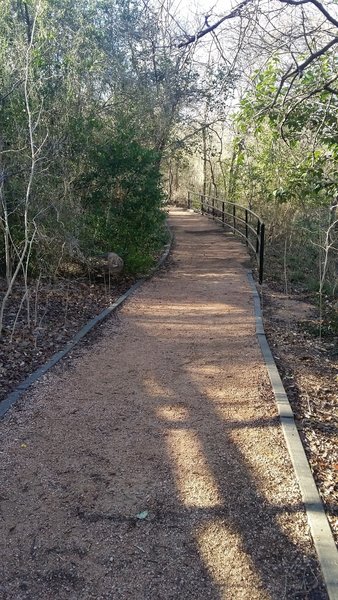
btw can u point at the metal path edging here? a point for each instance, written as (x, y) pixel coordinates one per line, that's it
(12, 397)
(319, 525)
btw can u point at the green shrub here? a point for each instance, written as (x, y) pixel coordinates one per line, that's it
(122, 201)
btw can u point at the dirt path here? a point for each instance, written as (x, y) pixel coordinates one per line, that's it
(168, 416)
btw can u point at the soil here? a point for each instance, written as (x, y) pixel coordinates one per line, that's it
(58, 310)
(309, 369)
(151, 464)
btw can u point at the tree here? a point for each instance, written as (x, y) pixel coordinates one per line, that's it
(279, 148)
(90, 95)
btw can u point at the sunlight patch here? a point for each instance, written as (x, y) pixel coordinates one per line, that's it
(229, 566)
(174, 413)
(195, 482)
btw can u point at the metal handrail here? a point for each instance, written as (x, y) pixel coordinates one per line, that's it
(228, 202)
(216, 207)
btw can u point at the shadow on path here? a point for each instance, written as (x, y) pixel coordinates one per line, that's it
(155, 468)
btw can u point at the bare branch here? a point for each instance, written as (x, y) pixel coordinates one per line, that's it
(318, 5)
(234, 13)
(301, 67)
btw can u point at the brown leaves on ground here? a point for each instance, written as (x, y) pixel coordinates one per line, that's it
(309, 368)
(57, 312)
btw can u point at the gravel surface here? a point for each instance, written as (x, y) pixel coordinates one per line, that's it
(152, 466)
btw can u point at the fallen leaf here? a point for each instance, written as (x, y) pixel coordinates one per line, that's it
(142, 515)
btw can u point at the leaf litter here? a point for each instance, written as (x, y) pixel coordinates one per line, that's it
(308, 366)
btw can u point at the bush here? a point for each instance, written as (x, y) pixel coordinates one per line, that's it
(122, 201)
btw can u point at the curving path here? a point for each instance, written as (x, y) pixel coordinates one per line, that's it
(153, 465)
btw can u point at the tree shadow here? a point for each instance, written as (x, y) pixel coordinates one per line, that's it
(152, 486)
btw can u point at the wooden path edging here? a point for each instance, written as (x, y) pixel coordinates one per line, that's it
(319, 526)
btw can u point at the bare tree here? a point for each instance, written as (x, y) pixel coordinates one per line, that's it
(22, 254)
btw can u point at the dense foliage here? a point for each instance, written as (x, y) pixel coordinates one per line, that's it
(285, 164)
(99, 100)
(89, 94)
(274, 146)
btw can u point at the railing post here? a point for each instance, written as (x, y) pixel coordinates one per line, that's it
(234, 216)
(202, 204)
(261, 253)
(189, 201)
(223, 212)
(246, 226)
(258, 235)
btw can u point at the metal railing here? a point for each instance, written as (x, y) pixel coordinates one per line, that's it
(240, 219)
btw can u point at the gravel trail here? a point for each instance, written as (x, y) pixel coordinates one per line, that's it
(152, 466)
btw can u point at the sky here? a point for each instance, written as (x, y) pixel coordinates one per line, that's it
(188, 11)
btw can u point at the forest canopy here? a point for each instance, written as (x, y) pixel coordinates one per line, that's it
(268, 131)
(108, 109)
(89, 93)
